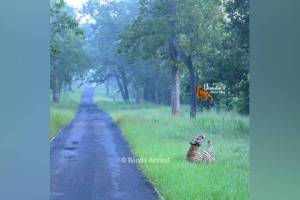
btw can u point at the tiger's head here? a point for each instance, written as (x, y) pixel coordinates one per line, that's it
(198, 140)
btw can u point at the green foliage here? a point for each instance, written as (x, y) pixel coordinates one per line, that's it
(213, 34)
(153, 133)
(147, 36)
(238, 13)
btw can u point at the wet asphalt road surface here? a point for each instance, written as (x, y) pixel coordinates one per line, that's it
(86, 160)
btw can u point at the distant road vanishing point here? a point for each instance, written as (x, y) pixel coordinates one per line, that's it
(86, 160)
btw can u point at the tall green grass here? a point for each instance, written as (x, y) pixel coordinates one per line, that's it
(64, 112)
(153, 133)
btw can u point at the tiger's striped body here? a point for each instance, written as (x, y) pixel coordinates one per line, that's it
(208, 154)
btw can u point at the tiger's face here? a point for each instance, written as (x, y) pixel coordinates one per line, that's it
(198, 140)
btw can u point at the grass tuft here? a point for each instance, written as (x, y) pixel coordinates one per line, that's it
(64, 112)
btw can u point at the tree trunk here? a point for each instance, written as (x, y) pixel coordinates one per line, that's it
(126, 93)
(124, 84)
(121, 89)
(178, 53)
(70, 86)
(145, 91)
(138, 99)
(56, 89)
(175, 91)
(193, 104)
(55, 82)
(156, 86)
(107, 84)
(138, 95)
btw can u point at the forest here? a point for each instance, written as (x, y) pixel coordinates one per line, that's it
(154, 51)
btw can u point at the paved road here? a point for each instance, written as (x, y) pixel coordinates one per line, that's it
(85, 160)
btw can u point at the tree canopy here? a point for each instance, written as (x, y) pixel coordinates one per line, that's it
(157, 50)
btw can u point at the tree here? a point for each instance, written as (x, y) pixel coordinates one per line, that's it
(67, 54)
(177, 32)
(149, 37)
(199, 25)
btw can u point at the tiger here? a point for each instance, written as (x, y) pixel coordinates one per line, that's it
(194, 155)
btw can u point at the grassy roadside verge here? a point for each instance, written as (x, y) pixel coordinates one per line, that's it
(153, 133)
(63, 113)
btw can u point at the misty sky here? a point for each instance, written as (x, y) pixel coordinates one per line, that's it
(78, 3)
(75, 3)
